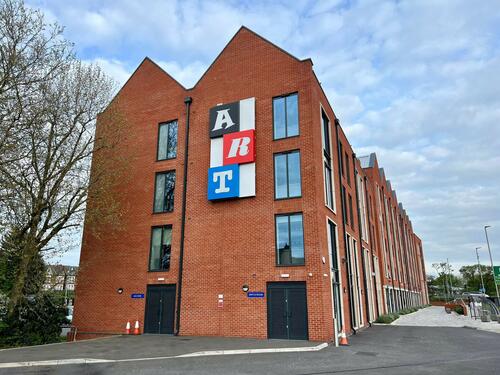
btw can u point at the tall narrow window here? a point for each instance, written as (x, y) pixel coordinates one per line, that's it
(351, 212)
(341, 161)
(334, 266)
(167, 141)
(344, 205)
(161, 245)
(289, 240)
(286, 116)
(287, 179)
(164, 192)
(326, 133)
(347, 169)
(328, 187)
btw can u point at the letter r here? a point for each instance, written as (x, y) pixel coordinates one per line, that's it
(239, 147)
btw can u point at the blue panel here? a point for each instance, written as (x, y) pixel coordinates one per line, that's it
(224, 182)
(137, 295)
(255, 294)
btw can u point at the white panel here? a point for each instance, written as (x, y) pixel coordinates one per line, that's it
(247, 114)
(247, 180)
(216, 152)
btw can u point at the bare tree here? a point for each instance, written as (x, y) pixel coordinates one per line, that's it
(49, 102)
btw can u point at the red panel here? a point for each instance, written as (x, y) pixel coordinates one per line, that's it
(239, 148)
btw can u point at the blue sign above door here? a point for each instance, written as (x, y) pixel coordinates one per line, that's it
(137, 295)
(255, 294)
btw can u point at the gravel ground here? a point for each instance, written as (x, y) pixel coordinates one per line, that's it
(436, 316)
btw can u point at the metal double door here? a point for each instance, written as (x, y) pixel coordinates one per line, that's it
(160, 309)
(287, 311)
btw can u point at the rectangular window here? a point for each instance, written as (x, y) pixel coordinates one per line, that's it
(287, 175)
(328, 187)
(167, 141)
(341, 161)
(289, 240)
(164, 192)
(161, 244)
(286, 116)
(347, 169)
(351, 212)
(344, 205)
(326, 133)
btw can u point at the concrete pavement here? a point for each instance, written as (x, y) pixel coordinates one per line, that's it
(436, 316)
(387, 350)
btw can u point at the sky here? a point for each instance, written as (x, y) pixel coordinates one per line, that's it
(417, 82)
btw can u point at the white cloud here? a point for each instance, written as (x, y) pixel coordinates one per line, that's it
(187, 75)
(417, 82)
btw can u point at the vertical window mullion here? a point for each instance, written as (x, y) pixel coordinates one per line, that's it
(287, 177)
(290, 238)
(286, 117)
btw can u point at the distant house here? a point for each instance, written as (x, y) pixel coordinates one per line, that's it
(60, 277)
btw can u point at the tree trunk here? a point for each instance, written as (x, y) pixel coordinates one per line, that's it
(28, 251)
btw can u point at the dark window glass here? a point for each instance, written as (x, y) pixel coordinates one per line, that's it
(164, 192)
(326, 133)
(286, 116)
(347, 169)
(167, 141)
(161, 245)
(351, 212)
(328, 186)
(341, 161)
(344, 205)
(287, 182)
(289, 240)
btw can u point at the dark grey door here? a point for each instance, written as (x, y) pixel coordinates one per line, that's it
(160, 309)
(287, 311)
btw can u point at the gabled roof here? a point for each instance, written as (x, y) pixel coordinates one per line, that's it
(233, 39)
(241, 30)
(368, 161)
(382, 174)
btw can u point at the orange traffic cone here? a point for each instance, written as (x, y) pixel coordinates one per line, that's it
(127, 328)
(136, 328)
(343, 339)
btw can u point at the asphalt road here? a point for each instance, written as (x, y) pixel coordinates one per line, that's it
(378, 350)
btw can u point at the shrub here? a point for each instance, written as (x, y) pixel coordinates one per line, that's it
(387, 318)
(37, 320)
(459, 310)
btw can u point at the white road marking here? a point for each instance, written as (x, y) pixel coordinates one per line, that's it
(77, 361)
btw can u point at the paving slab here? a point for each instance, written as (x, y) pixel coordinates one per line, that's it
(436, 316)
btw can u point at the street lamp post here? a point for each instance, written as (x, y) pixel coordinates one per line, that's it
(480, 273)
(491, 260)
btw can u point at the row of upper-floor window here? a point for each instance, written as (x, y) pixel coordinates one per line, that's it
(289, 243)
(287, 182)
(285, 125)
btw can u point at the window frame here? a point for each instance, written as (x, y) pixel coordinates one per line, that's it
(276, 254)
(154, 193)
(326, 142)
(287, 174)
(161, 241)
(332, 195)
(284, 96)
(158, 140)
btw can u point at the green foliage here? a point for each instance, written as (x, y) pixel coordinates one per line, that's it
(38, 316)
(10, 259)
(387, 318)
(459, 310)
(472, 279)
(37, 320)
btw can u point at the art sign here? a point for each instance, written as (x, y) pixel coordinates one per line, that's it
(232, 150)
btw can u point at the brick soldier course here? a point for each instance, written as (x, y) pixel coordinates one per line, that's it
(231, 244)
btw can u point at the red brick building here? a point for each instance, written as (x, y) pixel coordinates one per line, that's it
(276, 230)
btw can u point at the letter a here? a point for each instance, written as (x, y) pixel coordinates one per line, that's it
(223, 117)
